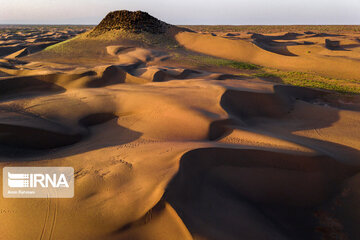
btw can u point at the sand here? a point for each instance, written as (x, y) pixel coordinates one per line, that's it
(294, 55)
(167, 151)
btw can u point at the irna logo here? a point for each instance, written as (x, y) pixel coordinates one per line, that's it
(38, 182)
(19, 180)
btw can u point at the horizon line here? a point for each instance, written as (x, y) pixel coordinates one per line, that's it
(90, 24)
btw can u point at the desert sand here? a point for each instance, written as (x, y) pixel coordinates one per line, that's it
(163, 149)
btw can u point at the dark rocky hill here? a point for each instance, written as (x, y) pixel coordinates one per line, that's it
(135, 22)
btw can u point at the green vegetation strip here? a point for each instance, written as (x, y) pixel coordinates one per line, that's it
(311, 80)
(204, 60)
(301, 79)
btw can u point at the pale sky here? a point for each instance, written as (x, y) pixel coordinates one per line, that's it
(232, 12)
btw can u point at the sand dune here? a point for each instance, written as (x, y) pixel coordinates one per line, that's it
(164, 150)
(144, 144)
(294, 61)
(24, 42)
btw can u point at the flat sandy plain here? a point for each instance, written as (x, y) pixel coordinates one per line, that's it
(204, 134)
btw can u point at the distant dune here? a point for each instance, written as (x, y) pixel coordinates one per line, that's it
(175, 134)
(301, 57)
